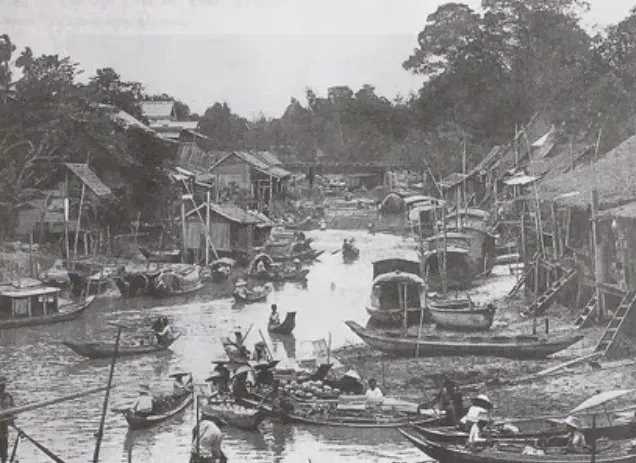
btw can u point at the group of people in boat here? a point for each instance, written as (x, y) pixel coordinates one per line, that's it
(477, 420)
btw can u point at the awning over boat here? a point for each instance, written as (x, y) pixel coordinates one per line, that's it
(420, 199)
(398, 277)
(449, 250)
(391, 265)
(600, 399)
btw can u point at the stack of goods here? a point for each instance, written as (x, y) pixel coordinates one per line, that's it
(311, 390)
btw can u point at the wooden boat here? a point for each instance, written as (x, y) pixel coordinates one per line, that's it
(171, 256)
(177, 282)
(451, 453)
(481, 245)
(469, 318)
(140, 422)
(286, 327)
(234, 415)
(272, 271)
(521, 347)
(37, 305)
(614, 426)
(96, 350)
(397, 292)
(365, 420)
(350, 253)
(221, 269)
(252, 296)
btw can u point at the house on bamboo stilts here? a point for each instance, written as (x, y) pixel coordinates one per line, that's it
(256, 180)
(233, 232)
(591, 213)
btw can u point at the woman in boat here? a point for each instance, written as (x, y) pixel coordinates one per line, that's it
(260, 352)
(450, 400)
(350, 383)
(223, 383)
(165, 335)
(206, 443)
(477, 437)
(179, 386)
(239, 383)
(144, 404)
(274, 318)
(374, 395)
(576, 439)
(480, 404)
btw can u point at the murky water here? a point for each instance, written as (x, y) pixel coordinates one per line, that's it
(40, 368)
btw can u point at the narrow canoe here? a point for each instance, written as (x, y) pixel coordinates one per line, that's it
(286, 327)
(96, 350)
(522, 347)
(460, 454)
(371, 422)
(468, 319)
(308, 255)
(67, 312)
(351, 254)
(141, 422)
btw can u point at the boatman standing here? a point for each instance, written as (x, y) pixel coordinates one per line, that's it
(6, 402)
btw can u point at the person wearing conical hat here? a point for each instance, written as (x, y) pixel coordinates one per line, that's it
(576, 438)
(480, 404)
(239, 382)
(223, 383)
(144, 404)
(180, 385)
(207, 440)
(297, 264)
(351, 383)
(6, 402)
(477, 436)
(240, 288)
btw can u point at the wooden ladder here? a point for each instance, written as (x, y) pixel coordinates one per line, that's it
(608, 343)
(541, 304)
(585, 317)
(515, 289)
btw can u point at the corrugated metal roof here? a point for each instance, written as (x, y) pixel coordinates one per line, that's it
(90, 179)
(157, 109)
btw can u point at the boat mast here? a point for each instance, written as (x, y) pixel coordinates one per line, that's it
(464, 192)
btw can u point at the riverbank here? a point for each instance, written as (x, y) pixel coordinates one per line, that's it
(420, 379)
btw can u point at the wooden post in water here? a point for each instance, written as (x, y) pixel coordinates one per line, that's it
(599, 255)
(31, 253)
(464, 191)
(207, 226)
(536, 294)
(67, 209)
(79, 222)
(100, 432)
(184, 249)
(443, 273)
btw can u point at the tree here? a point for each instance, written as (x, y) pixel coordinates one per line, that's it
(226, 130)
(107, 87)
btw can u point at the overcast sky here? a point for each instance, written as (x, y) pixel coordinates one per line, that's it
(253, 54)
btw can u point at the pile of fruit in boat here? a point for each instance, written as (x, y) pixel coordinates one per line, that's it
(310, 390)
(226, 408)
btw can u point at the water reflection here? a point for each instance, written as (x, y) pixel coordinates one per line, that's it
(288, 344)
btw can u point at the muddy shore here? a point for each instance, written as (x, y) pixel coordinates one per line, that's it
(419, 379)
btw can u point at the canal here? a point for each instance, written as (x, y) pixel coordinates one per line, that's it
(40, 368)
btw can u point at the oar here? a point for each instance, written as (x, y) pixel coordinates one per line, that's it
(248, 332)
(10, 412)
(336, 252)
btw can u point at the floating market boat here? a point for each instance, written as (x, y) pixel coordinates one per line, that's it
(286, 327)
(176, 280)
(96, 350)
(520, 347)
(271, 271)
(37, 305)
(221, 269)
(366, 420)
(453, 453)
(397, 289)
(286, 251)
(471, 318)
(234, 415)
(170, 256)
(174, 405)
(253, 295)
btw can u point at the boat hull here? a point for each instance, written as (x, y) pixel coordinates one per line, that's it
(520, 347)
(72, 312)
(137, 422)
(247, 421)
(479, 319)
(449, 453)
(99, 350)
(286, 327)
(394, 317)
(251, 297)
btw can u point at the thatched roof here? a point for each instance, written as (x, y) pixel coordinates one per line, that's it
(612, 176)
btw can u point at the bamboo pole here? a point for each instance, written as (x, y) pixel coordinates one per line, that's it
(184, 249)
(13, 411)
(266, 345)
(329, 349)
(536, 295)
(100, 432)
(464, 186)
(207, 227)
(67, 212)
(208, 238)
(31, 253)
(444, 280)
(79, 222)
